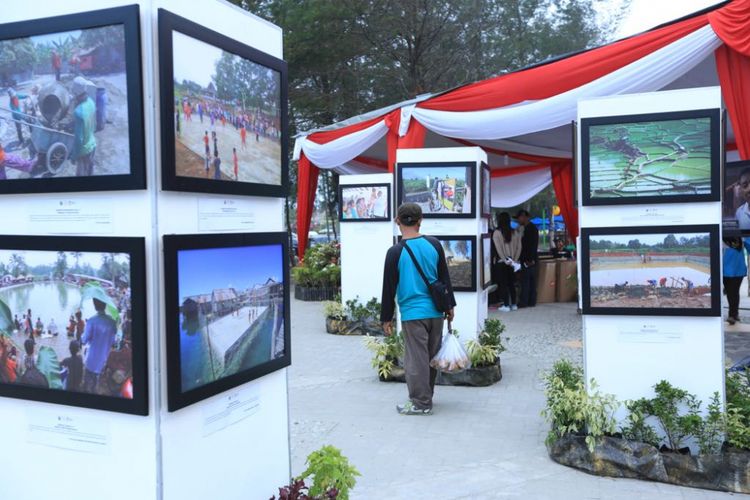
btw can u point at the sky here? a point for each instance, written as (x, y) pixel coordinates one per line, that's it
(648, 239)
(203, 270)
(193, 60)
(48, 258)
(646, 14)
(422, 173)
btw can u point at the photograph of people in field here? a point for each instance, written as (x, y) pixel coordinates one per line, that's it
(227, 115)
(661, 270)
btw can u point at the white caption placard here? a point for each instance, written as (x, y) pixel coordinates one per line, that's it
(70, 216)
(650, 215)
(229, 409)
(648, 333)
(61, 430)
(216, 214)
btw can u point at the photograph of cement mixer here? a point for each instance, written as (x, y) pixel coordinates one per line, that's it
(659, 271)
(70, 104)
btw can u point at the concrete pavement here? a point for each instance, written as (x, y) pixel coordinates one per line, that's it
(480, 443)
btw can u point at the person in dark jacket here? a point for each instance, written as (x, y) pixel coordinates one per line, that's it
(734, 270)
(529, 259)
(421, 322)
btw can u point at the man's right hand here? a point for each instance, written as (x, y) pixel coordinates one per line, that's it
(449, 314)
(388, 329)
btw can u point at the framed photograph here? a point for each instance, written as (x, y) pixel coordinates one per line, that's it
(443, 190)
(655, 158)
(486, 191)
(736, 199)
(364, 202)
(223, 113)
(227, 321)
(71, 108)
(486, 260)
(651, 271)
(461, 255)
(73, 321)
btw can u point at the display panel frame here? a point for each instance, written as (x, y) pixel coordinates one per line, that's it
(169, 23)
(343, 187)
(485, 207)
(472, 177)
(173, 244)
(129, 18)
(730, 224)
(714, 114)
(135, 247)
(714, 266)
(486, 276)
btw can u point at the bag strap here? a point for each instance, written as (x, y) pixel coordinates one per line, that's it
(416, 264)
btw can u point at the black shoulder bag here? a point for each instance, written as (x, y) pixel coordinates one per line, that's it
(439, 292)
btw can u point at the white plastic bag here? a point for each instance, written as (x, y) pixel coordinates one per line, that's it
(452, 357)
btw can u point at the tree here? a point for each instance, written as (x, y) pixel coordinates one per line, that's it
(77, 256)
(462, 248)
(17, 265)
(61, 265)
(670, 241)
(634, 244)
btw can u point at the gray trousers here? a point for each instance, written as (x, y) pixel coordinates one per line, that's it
(422, 338)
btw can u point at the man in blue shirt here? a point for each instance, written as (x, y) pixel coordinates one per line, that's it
(422, 323)
(99, 336)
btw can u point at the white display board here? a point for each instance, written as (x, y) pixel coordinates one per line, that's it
(471, 307)
(203, 451)
(628, 355)
(363, 247)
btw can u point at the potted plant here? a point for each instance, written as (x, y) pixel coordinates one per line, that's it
(484, 354)
(318, 276)
(388, 353)
(353, 319)
(329, 473)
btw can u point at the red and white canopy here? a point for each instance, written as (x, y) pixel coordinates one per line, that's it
(523, 119)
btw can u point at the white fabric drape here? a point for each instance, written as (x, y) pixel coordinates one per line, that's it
(648, 74)
(341, 150)
(515, 189)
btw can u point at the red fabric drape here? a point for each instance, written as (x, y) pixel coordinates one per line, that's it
(560, 76)
(562, 181)
(307, 185)
(732, 24)
(393, 122)
(414, 137)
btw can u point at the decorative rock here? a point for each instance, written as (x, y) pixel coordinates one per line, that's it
(345, 327)
(614, 457)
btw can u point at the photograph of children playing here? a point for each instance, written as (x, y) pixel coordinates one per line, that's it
(65, 321)
(227, 115)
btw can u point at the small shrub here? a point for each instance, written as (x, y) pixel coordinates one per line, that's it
(334, 310)
(636, 428)
(738, 409)
(330, 470)
(665, 407)
(320, 268)
(571, 409)
(386, 352)
(486, 349)
(710, 436)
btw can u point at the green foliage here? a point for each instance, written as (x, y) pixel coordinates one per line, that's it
(386, 352)
(571, 409)
(18, 54)
(334, 310)
(93, 290)
(320, 267)
(738, 409)
(6, 319)
(330, 469)
(637, 429)
(356, 311)
(49, 365)
(486, 349)
(666, 407)
(713, 427)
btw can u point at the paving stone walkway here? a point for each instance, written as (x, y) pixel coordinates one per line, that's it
(480, 443)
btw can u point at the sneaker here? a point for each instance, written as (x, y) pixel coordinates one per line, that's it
(514, 307)
(737, 319)
(408, 408)
(730, 320)
(504, 309)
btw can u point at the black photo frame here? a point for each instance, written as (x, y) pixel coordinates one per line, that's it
(486, 274)
(472, 240)
(175, 244)
(647, 298)
(427, 198)
(485, 206)
(386, 194)
(735, 197)
(633, 120)
(171, 181)
(55, 142)
(135, 248)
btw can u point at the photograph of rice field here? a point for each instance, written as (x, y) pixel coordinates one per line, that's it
(660, 270)
(658, 158)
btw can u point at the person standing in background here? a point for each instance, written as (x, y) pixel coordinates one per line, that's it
(507, 244)
(56, 64)
(84, 125)
(529, 259)
(734, 271)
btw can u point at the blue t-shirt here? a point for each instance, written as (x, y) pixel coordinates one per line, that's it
(414, 300)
